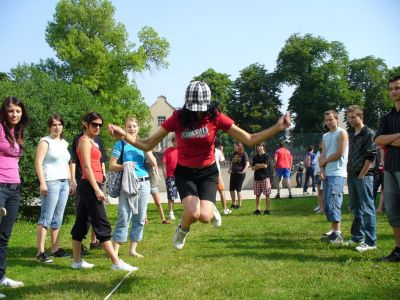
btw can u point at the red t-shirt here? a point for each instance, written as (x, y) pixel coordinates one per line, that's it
(196, 147)
(283, 158)
(170, 159)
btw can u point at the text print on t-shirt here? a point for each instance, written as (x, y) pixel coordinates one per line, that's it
(196, 133)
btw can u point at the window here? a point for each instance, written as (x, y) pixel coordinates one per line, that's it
(160, 120)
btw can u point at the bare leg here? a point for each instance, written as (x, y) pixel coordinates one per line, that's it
(381, 203)
(93, 238)
(116, 246)
(335, 226)
(233, 196)
(54, 239)
(108, 248)
(132, 249)
(258, 206)
(41, 238)
(267, 202)
(157, 202)
(287, 181)
(76, 251)
(170, 205)
(223, 199)
(191, 211)
(239, 194)
(320, 198)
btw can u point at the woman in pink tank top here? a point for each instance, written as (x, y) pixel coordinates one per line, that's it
(13, 121)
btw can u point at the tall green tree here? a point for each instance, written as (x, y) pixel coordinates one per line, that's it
(317, 68)
(94, 51)
(368, 76)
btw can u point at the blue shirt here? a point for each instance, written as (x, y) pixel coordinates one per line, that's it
(133, 154)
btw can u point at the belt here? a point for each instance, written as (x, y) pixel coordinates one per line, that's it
(140, 179)
(11, 186)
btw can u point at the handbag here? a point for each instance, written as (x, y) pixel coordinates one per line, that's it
(114, 178)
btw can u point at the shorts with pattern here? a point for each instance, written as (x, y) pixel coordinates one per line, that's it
(262, 187)
(172, 191)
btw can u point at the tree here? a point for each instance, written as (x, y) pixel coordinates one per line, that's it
(368, 76)
(317, 68)
(94, 51)
(254, 104)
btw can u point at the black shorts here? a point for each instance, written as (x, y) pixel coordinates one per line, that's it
(197, 182)
(236, 182)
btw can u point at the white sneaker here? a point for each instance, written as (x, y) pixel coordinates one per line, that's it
(3, 212)
(123, 266)
(316, 208)
(227, 211)
(8, 282)
(328, 233)
(179, 238)
(81, 265)
(216, 221)
(364, 247)
(171, 215)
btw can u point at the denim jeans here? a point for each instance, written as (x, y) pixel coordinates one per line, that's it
(53, 205)
(309, 176)
(333, 197)
(363, 227)
(392, 195)
(299, 179)
(9, 199)
(125, 215)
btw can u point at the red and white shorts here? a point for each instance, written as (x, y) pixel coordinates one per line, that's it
(262, 187)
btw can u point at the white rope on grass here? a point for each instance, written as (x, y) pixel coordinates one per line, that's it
(117, 286)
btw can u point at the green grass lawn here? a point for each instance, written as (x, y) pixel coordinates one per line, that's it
(250, 257)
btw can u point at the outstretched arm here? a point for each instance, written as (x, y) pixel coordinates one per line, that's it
(144, 144)
(255, 138)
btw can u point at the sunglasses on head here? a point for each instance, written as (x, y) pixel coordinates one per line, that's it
(94, 124)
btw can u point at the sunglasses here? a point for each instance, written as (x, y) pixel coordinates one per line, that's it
(94, 124)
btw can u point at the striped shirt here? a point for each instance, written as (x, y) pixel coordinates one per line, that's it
(390, 124)
(361, 148)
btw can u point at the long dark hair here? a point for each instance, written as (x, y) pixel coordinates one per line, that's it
(19, 129)
(188, 119)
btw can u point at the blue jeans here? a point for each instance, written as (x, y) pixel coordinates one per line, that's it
(392, 195)
(9, 199)
(333, 197)
(363, 227)
(53, 205)
(125, 215)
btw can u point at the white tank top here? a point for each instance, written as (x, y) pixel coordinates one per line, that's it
(338, 167)
(55, 163)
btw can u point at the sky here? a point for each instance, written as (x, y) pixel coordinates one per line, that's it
(226, 35)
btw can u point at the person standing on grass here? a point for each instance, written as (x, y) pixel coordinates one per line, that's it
(378, 179)
(169, 162)
(318, 182)
(132, 157)
(52, 169)
(155, 179)
(299, 174)
(219, 157)
(388, 135)
(76, 176)
(239, 165)
(333, 162)
(261, 184)
(283, 163)
(309, 164)
(13, 122)
(92, 198)
(360, 181)
(196, 126)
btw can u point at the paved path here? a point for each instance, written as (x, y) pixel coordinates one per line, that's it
(246, 194)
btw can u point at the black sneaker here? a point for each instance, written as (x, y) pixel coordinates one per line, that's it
(392, 257)
(60, 253)
(233, 206)
(237, 206)
(84, 251)
(95, 246)
(290, 196)
(267, 212)
(333, 238)
(278, 196)
(42, 257)
(257, 212)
